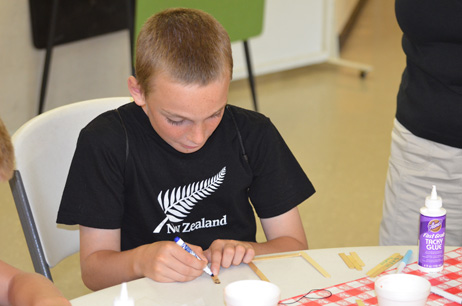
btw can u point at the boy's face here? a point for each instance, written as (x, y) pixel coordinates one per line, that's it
(184, 115)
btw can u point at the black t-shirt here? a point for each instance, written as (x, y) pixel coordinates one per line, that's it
(155, 193)
(430, 94)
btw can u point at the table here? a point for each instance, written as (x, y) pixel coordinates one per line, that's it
(294, 276)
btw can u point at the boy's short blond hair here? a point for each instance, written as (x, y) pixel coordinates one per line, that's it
(189, 45)
(6, 154)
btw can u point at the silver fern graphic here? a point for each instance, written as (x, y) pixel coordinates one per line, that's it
(179, 203)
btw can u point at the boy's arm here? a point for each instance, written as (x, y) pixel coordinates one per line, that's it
(284, 233)
(21, 288)
(103, 264)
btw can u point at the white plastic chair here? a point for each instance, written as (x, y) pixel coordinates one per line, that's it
(44, 147)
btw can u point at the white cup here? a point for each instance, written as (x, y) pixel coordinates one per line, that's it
(252, 293)
(402, 290)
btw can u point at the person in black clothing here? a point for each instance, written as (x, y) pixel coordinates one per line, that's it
(179, 161)
(426, 144)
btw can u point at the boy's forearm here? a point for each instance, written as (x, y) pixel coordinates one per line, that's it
(280, 244)
(107, 268)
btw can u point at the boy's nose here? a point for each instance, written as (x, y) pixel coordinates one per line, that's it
(197, 134)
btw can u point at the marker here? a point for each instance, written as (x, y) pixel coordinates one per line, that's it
(404, 261)
(185, 247)
(446, 295)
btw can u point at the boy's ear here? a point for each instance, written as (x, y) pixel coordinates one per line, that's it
(135, 90)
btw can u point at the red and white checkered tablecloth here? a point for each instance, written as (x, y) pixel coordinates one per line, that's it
(450, 280)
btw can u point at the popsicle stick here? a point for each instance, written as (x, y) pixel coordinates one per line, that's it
(388, 262)
(258, 271)
(355, 263)
(303, 254)
(377, 267)
(315, 264)
(358, 260)
(346, 260)
(276, 256)
(388, 265)
(360, 303)
(216, 280)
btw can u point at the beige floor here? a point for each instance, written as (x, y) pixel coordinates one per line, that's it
(337, 125)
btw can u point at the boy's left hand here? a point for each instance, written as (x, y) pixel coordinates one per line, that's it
(223, 253)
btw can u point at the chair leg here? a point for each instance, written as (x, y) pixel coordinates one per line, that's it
(28, 226)
(131, 30)
(251, 77)
(49, 50)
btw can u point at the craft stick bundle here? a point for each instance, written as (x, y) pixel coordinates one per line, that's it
(352, 261)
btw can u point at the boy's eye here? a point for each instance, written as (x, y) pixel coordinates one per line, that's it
(218, 114)
(174, 122)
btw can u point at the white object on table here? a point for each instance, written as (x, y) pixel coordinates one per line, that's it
(124, 299)
(402, 289)
(252, 293)
(446, 295)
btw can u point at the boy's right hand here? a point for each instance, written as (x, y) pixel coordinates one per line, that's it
(165, 261)
(103, 264)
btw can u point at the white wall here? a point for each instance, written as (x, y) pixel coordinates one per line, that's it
(343, 11)
(87, 69)
(293, 36)
(98, 67)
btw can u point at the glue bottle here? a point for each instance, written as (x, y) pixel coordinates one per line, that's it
(432, 234)
(124, 299)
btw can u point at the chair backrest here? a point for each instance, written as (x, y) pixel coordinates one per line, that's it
(242, 19)
(44, 147)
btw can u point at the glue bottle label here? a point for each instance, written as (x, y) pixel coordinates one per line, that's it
(431, 241)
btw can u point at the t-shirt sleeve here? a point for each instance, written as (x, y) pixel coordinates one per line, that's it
(93, 193)
(279, 183)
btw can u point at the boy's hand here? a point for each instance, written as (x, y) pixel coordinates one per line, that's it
(165, 261)
(226, 252)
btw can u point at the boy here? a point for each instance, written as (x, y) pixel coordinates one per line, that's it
(180, 162)
(17, 287)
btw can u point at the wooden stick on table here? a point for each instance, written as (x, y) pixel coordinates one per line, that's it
(302, 254)
(258, 272)
(352, 261)
(356, 264)
(277, 256)
(314, 264)
(360, 303)
(346, 260)
(388, 262)
(358, 260)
